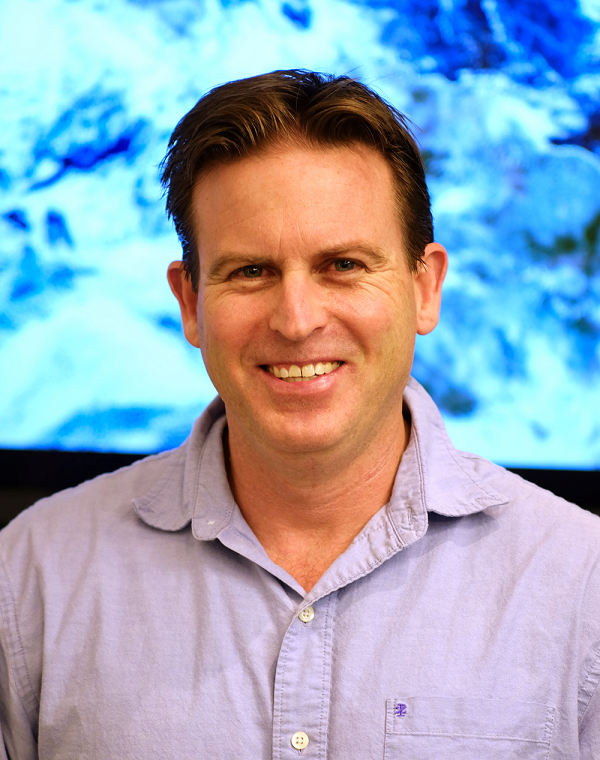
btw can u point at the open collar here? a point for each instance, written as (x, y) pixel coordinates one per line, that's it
(432, 476)
(171, 503)
(451, 483)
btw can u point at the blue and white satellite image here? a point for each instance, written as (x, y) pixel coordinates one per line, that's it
(505, 99)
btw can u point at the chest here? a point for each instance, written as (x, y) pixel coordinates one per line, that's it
(231, 664)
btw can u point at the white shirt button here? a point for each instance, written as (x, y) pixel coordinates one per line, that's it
(306, 616)
(300, 740)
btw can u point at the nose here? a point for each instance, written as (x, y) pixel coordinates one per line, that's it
(298, 308)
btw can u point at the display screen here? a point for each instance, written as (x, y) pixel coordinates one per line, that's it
(505, 99)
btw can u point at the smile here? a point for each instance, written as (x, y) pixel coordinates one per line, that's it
(296, 374)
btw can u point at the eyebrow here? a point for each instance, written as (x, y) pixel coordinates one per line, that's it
(376, 254)
(226, 259)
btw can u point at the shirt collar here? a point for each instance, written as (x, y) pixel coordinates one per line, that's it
(451, 482)
(432, 476)
(170, 504)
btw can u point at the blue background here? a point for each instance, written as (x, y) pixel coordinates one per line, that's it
(506, 97)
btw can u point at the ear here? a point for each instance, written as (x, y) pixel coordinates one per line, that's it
(428, 286)
(188, 300)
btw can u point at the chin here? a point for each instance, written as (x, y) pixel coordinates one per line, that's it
(301, 439)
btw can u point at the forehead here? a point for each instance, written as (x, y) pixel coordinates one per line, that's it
(291, 197)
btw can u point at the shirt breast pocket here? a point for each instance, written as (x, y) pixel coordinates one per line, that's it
(457, 728)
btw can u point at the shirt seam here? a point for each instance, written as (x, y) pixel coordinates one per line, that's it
(347, 581)
(327, 649)
(469, 736)
(419, 458)
(592, 681)
(376, 528)
(16, 642)
(422, 493)
(550, 722)
(198, 472)
(226, 520)
(284, 654)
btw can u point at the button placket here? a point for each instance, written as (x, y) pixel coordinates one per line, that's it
(303, 684)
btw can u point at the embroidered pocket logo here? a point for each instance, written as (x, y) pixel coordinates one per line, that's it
(400, 710)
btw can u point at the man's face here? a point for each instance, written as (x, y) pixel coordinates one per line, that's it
(303, 270)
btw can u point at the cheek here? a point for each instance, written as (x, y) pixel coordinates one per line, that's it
(382, 317)
(227, 323)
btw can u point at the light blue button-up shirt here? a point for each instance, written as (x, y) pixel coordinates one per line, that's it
(141, 618)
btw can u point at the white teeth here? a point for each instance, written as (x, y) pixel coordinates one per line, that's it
(296, 374)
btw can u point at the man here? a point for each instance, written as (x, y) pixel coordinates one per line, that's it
(316, 571)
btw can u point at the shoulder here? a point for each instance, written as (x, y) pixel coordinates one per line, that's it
(534, 513)
(111, 510)
(76, 514)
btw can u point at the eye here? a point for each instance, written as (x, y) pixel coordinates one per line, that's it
(251, 271)
(344, 265)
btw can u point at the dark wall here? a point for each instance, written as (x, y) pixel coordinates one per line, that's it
(26, 476)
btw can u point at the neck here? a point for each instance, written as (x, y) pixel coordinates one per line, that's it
(305, 509)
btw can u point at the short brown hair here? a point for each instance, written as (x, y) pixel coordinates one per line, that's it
(243, 117)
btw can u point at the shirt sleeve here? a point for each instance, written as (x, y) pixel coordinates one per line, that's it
(17, 739)
(589, 728)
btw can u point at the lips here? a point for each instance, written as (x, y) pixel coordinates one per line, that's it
(296, 373)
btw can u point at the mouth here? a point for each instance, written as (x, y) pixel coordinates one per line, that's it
(294, 373)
